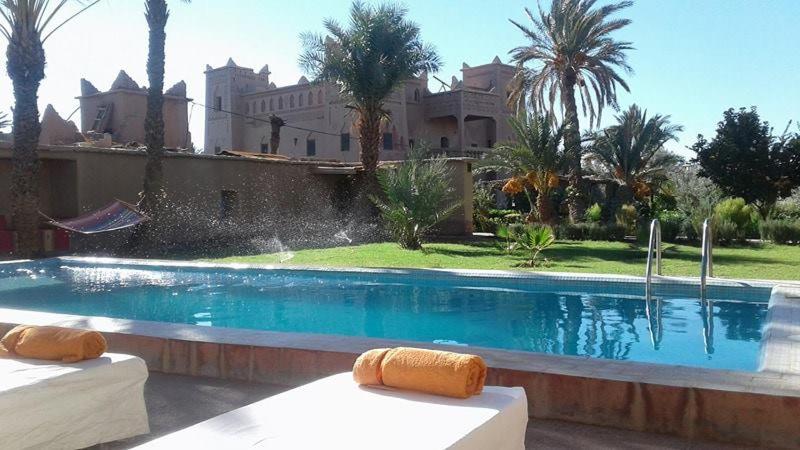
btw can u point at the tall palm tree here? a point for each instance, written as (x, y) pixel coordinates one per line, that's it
(367, 61)
(533, 161)
(153, 194)
(572, 49)
(27, 24)
(631, 153)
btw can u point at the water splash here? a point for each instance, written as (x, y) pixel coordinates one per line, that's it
(342, 236)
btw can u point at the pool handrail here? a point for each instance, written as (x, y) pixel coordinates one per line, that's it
(707, 260)
(653, 248)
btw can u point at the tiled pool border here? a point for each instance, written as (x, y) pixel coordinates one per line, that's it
(756, 408)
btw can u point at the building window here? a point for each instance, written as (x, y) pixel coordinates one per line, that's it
(280, 102)
(247, 108)
(291, 101)
(271, 104)
(300, 100)
(319, 97)
(229, 202)
(444, 142)
(264, 148)
(263, 106)
(345, 142)
(311, 147)
(218, 103)
(411, 143)
(416, 95)
(489, 143)
(387, 141)
(310, 98)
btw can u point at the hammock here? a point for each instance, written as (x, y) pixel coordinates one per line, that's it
(116, 216)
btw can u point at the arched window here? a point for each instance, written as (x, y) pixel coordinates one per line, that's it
(416, 95)
(263, 106)
(247, 108)
(280, 102)
(271, 104)
(310, 98)
(300, 100)
(319, 97)
(444, 142)
(291, 101)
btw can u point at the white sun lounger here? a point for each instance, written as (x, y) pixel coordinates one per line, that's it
(335, 413)
(46, 405)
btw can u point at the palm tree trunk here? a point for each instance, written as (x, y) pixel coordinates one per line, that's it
(572, 144)
(153, 193)
(275, 123)
(545, 207)
(369, 130)
(25, 65)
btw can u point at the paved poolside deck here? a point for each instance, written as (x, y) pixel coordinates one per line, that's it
(178, 401)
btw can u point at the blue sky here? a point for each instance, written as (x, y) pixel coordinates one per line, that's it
(693, 58)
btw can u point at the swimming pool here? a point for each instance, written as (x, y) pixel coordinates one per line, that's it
(555, 315)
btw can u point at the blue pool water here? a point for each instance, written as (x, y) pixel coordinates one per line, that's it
(592, 319)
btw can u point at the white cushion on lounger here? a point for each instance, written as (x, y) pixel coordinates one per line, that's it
(47, 405)
(335, 413)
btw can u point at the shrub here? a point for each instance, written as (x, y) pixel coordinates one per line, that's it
(482, 203)
(689, 230)
(534, 240)
(786, 211)
(594, 213)
(616, 232)
(727, 232)
(671, 225)
(591, 232)
(738, 214)
(781, 231)
(627, 216)
(416, 197)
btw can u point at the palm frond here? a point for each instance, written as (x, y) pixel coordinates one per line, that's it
(571, 39)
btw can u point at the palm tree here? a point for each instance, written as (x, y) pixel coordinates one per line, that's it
(26, 25)
(533, 161)
(631, 153)
(153, 193)
(573, 50)
(368, 61)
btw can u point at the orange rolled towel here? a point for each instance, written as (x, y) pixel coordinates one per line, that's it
(433, 372)
(53, 343)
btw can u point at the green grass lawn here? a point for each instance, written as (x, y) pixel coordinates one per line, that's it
(767, 261)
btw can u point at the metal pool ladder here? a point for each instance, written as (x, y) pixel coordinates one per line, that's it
(653, 251)
(707, 260)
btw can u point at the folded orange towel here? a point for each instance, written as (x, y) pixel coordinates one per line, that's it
(53, 343)
(433, 372)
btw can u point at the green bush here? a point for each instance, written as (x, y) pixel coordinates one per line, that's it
(591, 232)
(740, 220)
(671, 225)
(727, 232)
(416, 197)
(689, 230)
(628, 216)
(616, 232)
(786, 211)
(594, 213)
(781, 231)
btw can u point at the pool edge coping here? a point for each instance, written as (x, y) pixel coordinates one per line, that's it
(475, 273)
(765, 382)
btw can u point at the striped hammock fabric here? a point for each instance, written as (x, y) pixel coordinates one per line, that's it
(116, 216)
